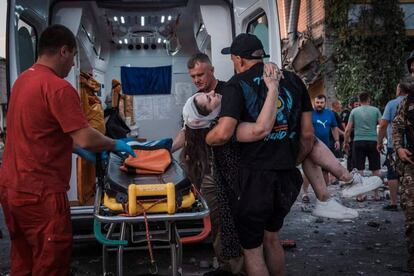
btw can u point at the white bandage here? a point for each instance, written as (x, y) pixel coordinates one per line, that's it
(193, 119)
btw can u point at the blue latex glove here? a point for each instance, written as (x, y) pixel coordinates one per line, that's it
(88, 155)
(121, 146)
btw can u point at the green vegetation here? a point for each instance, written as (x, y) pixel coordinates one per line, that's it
(369, 40)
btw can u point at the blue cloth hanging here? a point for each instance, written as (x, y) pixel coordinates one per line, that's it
(146, 80)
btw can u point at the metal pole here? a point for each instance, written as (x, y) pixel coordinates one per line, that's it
(173, 247)
(180, 251)
(121, 251)
(293, 21)
(104, 251)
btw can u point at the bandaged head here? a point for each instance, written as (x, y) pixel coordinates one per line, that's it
(193, 119)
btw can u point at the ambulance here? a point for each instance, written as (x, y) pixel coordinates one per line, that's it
(117, 35)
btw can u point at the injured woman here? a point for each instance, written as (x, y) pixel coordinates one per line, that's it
(320, 157)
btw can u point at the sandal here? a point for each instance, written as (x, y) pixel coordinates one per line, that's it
(305, 198)
(361, 198)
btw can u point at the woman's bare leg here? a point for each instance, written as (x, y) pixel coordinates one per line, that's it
(315, 176)
(325, 205)
(322, 156)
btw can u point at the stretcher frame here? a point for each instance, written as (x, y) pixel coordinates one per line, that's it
(175, 243)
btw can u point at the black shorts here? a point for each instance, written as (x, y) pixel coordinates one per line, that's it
(349, 162)
(364, 149)
(265, 199)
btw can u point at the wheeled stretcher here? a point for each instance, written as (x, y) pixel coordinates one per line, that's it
(124, 202)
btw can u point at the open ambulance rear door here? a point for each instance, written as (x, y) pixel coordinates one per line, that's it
(25, 21)
(260, 17)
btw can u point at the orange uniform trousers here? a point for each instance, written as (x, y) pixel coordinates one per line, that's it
(40, 231)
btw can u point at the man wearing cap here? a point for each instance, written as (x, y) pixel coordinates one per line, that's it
(269, 181)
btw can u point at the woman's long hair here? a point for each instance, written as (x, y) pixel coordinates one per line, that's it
(196, 155)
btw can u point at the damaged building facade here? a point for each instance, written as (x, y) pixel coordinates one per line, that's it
(304, 47)
(308, 50)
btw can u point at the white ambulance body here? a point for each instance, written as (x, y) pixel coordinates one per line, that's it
(140, 33)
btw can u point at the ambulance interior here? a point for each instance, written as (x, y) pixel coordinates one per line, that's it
(115, 34)
(160, 34)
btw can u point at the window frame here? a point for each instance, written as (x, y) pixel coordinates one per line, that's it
(35, 44)
(409, 29)
(253, 20)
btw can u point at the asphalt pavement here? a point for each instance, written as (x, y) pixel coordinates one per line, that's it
(372, 244)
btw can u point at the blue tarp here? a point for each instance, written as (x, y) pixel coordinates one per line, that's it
(146, 80)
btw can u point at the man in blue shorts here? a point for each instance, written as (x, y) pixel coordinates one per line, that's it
(385, 130)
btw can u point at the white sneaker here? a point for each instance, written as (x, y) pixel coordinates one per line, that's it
(356, 178)
(366, 185)
(334, 210)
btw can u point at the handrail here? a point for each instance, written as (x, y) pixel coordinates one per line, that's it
(202, 235)
(102, 239)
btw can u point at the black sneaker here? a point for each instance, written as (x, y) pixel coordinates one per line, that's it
(390, 207)
(218, 272)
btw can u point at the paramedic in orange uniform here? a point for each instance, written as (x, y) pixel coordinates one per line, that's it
(44, 123)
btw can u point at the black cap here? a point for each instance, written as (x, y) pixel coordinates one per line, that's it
(247, 46)
(410, 59)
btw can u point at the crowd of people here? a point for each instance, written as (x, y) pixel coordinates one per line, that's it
(248, 145)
